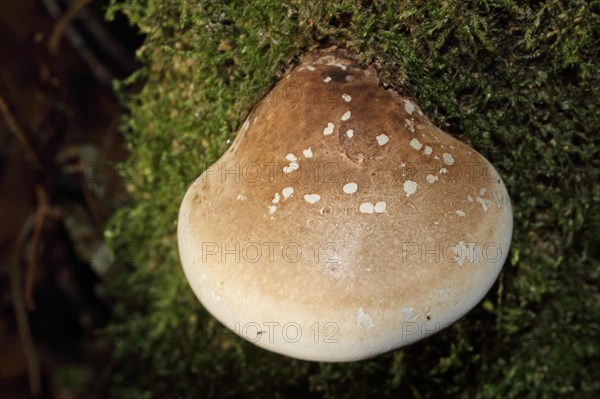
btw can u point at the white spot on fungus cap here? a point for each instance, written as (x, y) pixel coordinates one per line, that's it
(328, 129)
(448, 158)
(382, 139)
(366, 207)
(380, 207)
(287, 192)
(291, 157)
(350, 188)
(334, 266)
(416, 144)
(410, 187)
(312, 198)
(409, 106)
(363, 319)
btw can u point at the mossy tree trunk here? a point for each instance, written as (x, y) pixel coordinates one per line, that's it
(519, 80)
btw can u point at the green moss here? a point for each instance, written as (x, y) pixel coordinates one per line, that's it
(519, 80)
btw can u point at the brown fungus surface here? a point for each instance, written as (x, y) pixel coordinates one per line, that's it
(341, 223)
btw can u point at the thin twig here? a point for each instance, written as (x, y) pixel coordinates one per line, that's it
(100, 72)
(93, 208)
(14, 128)
(101, 34)
(16, 290)
(64, 21)
(42, 210)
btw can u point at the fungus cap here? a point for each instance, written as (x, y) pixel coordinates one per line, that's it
(341, 223)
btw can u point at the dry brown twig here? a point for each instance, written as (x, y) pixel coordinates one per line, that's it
(18, 299)
(43, 210)
(15, 128)
(65, 20)
(101, 72)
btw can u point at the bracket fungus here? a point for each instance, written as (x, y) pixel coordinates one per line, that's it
(341, 223)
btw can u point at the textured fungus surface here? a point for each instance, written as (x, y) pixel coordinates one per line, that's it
(340, 208)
